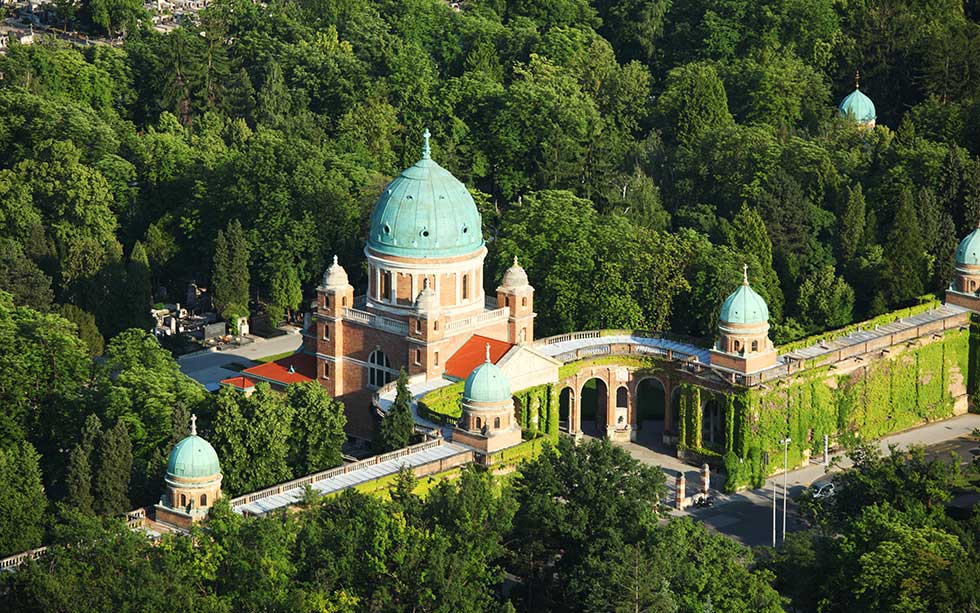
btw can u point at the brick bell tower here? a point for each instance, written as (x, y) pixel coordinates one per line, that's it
(334, 294)
(516, 294)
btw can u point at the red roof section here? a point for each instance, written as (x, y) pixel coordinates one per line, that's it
(473, 353)
(240, 382)
(303, 368)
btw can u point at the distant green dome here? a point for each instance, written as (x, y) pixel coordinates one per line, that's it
(859, 107)
(744, 306)
(487, 383)
(425, 212)
(193, 458)
(968, 253)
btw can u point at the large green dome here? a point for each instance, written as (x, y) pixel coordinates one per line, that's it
(425, 212)
(859, 107)
(968, 253)
(744, 306)
(193, 458)
(487, 383)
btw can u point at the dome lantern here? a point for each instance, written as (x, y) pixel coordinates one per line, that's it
(335, 276)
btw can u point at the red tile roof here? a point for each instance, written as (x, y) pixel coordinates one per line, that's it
(473, 353)
(240, 382)
(295, 368)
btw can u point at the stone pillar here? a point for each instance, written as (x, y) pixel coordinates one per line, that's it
(610, 407)
(679, 502)
(705, 479)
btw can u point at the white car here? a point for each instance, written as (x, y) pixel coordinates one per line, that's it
(823, 490)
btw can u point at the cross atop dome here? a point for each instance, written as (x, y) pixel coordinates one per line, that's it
(857, 79)
(193, 424)
(745, 274)
(426, 149)
(488, 352)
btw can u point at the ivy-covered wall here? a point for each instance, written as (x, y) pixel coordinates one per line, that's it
(539, 411)
(909, 386)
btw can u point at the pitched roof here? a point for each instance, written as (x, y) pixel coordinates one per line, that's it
(473, 353)
(295, 368)
(239, 382)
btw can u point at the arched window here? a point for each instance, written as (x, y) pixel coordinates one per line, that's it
(378, 371)
(506, 301)
(466, 287)
(478, 424)
(755, 345)
(524, 301)
(204, 500)
(737, 346)
(496, 423)
(183, 500)
(622, 397)
(523, 336)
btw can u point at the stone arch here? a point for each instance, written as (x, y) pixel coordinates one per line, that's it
(204, 500)
(650, 398)
(566, 400)
(593, 403)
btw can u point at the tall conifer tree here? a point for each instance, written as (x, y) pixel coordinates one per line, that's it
(230, 278)
(115, 469)
(398, 426)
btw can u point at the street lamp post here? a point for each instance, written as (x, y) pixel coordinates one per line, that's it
(765, 468)
(785, 442)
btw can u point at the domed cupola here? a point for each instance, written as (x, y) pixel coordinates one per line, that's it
(744, 306)
(425, 212)
(965, 288)
(743, 325)
(858, 106)
(487, 423)
(486, 384)
(515, 277)
(193, 480)
(335, 276)
(968, 251)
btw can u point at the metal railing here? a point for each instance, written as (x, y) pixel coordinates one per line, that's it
(333, 472)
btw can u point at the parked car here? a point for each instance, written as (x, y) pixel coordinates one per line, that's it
(823, 490)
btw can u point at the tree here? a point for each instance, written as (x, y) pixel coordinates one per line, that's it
(826, 301)
(398, 426)
(230, 277)
(79, 479)
(905, 255)
(134, 311)
(317, 429)
(115, 15)
(114, 470)
(20, 276)
(576, 505)
(749, 237)
(23, 504)
(693, 103)
(851, 227)
(88, 331)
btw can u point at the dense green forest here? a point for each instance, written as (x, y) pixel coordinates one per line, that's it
(633, 153)
(580, 528)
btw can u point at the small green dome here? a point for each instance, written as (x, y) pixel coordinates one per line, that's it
(859, 107)
(487, 383)
(744, 306)
(193, 458)
(968, 253)
(425, 212)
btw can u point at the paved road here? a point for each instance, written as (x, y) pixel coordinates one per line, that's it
(206, 367)
(747, 516)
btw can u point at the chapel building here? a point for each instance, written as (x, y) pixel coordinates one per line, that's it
(424, 306)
